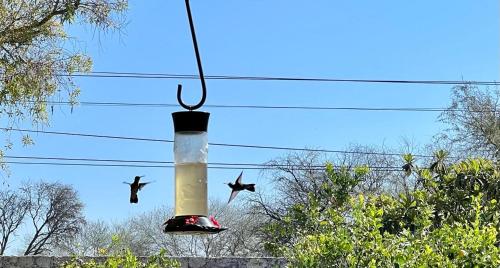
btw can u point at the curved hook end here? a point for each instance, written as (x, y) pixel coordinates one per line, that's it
(189, 107)
(179, 98)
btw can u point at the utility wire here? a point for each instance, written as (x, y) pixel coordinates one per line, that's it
(171, 162)
(140, 75)
(87, 135)
(212, 143)
(389, 169)
(153, 166)
(274, 107)
(87, 159)
(114, 165)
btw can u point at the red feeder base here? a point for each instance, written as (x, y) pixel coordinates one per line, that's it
(193, 225)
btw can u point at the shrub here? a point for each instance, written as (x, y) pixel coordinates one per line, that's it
(450, 220)
(123, 258)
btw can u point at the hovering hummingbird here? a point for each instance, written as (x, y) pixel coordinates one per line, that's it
(238, 186)
(135, 187)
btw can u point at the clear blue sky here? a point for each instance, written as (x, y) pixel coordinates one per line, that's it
(431, 40)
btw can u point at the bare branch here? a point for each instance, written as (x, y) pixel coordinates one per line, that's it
(473, 122)
(13, 209)
(56, 213)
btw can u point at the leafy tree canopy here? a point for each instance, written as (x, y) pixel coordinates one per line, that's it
(36, 61)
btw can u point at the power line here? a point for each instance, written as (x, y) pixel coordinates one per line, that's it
(140, 75)
(87, 159)
(112, 165)
(153, 166)
(212, 143)
(274, 107)
(236, 165)
(87, 135)
(389, 169)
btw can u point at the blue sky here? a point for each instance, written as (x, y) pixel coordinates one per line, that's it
(428, 40)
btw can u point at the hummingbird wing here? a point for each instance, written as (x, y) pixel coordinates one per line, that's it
(127, 183)
(238, 180)
(233, 195)
(142, 184)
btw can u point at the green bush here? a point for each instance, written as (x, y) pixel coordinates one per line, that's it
(359, 242)
(450, 220)
(123, 258)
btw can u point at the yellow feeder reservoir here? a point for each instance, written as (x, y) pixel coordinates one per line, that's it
(190, 153)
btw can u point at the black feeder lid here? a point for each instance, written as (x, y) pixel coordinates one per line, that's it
(192, 225)
(192, 121)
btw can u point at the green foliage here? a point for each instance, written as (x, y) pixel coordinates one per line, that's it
(36, 62)
(452, 192)
(123, 258)
(322, 209)
(408, 167)
(439, 165)
(450, 221)
(359, 242)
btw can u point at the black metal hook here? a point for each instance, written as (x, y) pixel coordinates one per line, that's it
(200, 69)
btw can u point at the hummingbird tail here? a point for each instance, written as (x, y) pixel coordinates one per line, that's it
(134, 199)
(250, 187)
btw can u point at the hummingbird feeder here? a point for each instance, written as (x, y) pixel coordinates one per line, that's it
(190, 155)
